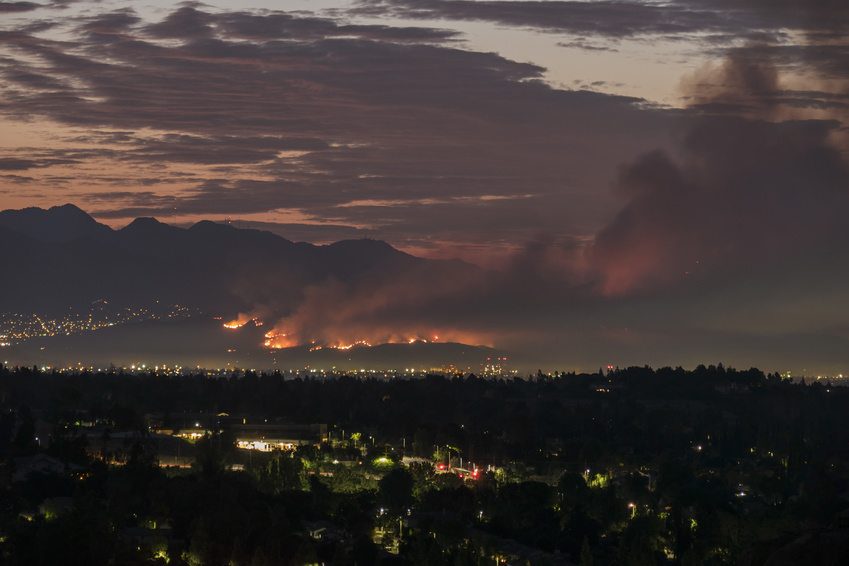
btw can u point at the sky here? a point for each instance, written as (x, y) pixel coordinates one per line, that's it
(649, 182)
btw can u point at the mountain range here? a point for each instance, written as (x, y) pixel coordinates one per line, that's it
(62, 257)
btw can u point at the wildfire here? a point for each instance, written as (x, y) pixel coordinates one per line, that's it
(280, 338)
(275, 340)
(349, 346)
(422, 340)
(241, 321)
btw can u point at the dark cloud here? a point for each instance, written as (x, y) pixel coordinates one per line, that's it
(190, 22)
(35, 160)
(11, 164)
(118, 21)
(17, 179)
(28, 77)
(630, 18)
(585, 46)
(829, 60)
(185, 22)
(814, 16)
(12, 7)
(289, 26)
(182, 148)
(16, 7)
(606, 18)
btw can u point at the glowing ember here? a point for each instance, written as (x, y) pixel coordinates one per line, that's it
(349, 346)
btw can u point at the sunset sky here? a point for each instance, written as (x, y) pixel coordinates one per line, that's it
(654, 182)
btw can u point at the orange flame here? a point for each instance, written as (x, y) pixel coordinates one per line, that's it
(241, 321)
(277, 339)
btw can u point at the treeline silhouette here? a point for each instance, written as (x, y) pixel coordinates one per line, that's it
(632, 466)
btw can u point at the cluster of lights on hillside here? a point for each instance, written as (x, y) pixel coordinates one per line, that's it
(20, 327)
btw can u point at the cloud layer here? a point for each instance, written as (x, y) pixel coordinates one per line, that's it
(356, 124)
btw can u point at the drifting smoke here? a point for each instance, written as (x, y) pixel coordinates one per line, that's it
(750, 189)
(727, 230)
(406, 308)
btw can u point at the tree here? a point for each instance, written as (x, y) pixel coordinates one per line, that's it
(571, 489)
(25, 436)
(396, 489)
(586, 553)
(283, 472)
(212, 454)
